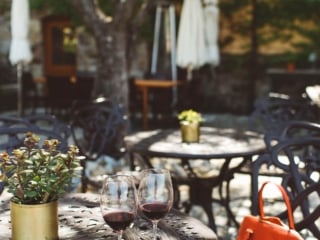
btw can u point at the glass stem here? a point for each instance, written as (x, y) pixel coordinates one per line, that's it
(154, 230)
(120, 235)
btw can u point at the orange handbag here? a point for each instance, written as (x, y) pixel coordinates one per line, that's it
(268, 228)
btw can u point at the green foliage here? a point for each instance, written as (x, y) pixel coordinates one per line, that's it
(106, 6)
(37, 175)
(285, 18)
(190, 116)
(228, 7)
(58, 7)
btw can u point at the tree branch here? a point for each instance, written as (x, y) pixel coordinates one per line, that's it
(91, 13)
(142, 13)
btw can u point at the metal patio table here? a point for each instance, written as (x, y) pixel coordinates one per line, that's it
(80, 218)
(227, 145)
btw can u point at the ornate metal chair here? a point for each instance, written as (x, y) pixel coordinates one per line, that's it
(98, 128)
(293, 130)
(300, 160)
(278, 117)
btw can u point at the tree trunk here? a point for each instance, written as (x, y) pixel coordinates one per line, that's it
(111, 77)
(112, 74)
(111, 34)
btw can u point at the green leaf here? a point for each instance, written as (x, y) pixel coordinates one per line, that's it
(26, 171)
(31, 194)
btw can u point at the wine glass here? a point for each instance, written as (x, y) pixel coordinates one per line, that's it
(155, 195)
(118, 202)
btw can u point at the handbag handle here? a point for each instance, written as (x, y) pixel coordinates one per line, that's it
(286, 200)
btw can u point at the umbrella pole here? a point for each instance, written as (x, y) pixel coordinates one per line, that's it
(173, 55)
(156, 37)
(19, 80)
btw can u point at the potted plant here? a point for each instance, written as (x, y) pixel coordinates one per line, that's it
(37, 177)
(190, 125)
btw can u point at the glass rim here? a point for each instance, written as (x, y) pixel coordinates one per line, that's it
(117, 176)
(155, 170)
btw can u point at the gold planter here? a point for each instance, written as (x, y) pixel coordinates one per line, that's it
(34, 222)
(190, 132)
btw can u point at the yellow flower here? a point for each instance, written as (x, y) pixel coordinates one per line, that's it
(18, 153)
(190, 116)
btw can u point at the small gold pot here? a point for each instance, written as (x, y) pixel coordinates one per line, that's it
(34, 221)
(190, 132)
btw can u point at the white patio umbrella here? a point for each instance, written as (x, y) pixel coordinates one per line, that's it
(198, 35)
(191, 48)
(20, 52)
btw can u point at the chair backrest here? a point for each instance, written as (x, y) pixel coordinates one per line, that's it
(293, 130)
(272, 113)
(299, 159)
(297, 129)
(13, 129)
(98, 128)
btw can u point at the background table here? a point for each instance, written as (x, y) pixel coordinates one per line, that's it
(143, 85)
(80, 218)
(215, 143)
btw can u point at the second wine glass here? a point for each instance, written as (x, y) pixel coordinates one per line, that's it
(155, 195)
(118, 202)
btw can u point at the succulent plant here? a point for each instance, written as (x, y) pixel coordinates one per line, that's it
(39, 175)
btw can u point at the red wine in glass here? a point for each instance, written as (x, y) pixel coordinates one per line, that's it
(118, 202)
(119, 220)
(155, 211)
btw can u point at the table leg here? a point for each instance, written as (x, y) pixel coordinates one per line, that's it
(145, 107)
(201, 194)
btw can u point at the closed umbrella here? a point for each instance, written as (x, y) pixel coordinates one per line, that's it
(20, 52)
(211, 31)
(198, 35)
(191, 47)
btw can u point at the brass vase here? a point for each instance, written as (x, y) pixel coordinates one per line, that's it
(34, 221)
(190, 132)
